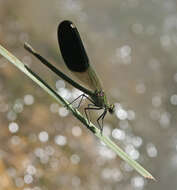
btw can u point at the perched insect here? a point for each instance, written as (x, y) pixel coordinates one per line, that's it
(76, 59)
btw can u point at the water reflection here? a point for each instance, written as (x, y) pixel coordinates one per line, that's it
(133, 45)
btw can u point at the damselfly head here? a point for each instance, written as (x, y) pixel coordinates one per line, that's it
(111, 108)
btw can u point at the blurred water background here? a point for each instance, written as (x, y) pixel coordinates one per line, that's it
(132, 44)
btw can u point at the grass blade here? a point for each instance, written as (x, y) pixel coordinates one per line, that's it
(75, 112)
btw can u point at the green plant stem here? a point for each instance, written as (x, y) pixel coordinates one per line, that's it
(75, 112)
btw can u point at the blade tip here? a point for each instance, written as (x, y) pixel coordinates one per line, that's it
(151, 177)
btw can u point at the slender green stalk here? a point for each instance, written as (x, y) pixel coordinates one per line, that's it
(75, 112)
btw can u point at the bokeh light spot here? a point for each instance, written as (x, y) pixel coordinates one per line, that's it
(43, 136)
(60, 140)
(13, 127)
